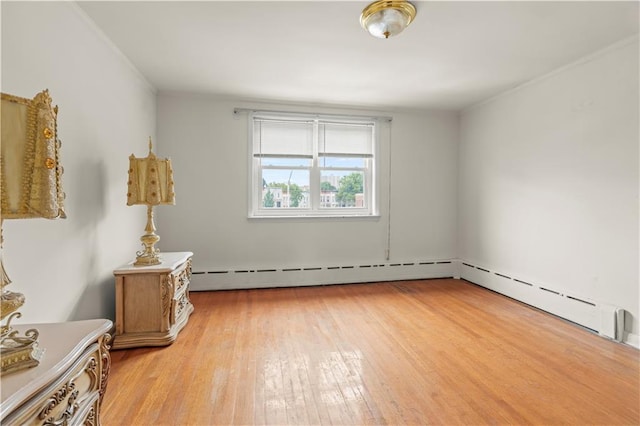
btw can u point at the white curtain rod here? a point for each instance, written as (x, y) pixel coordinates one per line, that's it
(237, 111)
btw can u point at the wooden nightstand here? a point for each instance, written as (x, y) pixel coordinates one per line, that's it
(68, 385)
(152, 302)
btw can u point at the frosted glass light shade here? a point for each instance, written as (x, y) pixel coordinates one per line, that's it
(385, 18)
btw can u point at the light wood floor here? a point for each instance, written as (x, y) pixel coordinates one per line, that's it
(412, 352)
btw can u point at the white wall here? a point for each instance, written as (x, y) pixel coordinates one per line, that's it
(208, 148)
(548, 177)
(544, 186)
(107, 111)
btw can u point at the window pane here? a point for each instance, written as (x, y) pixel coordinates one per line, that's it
(342, 189)
(342, 162)
(285, 189)
(345, 139)
(285, 162)
(287, 138)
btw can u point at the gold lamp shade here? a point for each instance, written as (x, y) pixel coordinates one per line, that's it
(150, 183)
(150, 180)
(31, 181)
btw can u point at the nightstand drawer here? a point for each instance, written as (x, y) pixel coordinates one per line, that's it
(180, 308)
(181, 277)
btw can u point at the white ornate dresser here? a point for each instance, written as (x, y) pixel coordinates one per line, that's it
(67, 387)
(152, 302)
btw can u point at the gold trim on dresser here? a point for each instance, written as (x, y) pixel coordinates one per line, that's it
(68, 385)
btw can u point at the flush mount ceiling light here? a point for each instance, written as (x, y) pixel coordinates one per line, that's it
(386, 18)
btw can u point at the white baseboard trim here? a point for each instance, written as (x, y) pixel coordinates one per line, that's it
(586, 312)
(204, 279)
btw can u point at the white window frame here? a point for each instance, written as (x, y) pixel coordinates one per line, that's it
(370, 171)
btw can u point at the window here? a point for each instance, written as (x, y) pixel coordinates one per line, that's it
(305, 165)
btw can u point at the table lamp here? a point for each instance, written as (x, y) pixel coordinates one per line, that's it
(151, 184)
(31, 187)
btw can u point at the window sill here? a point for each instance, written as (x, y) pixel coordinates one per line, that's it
(372, 217)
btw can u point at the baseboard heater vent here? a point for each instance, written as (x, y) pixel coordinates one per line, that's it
(237, 278)
(580, 300)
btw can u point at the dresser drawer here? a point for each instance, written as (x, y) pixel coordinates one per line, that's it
(73, 399)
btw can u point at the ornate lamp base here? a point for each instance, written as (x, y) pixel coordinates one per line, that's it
(147, 259)
(16, 352)
(150, 255)
(19, 352)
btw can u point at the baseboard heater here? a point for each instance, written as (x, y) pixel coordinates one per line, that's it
(606, 320)
(242, 278)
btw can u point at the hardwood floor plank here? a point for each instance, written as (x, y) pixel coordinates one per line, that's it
(411, 352)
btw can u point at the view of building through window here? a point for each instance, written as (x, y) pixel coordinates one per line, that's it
(337, 190)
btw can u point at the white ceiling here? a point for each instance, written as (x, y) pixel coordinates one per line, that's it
(453, 55)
